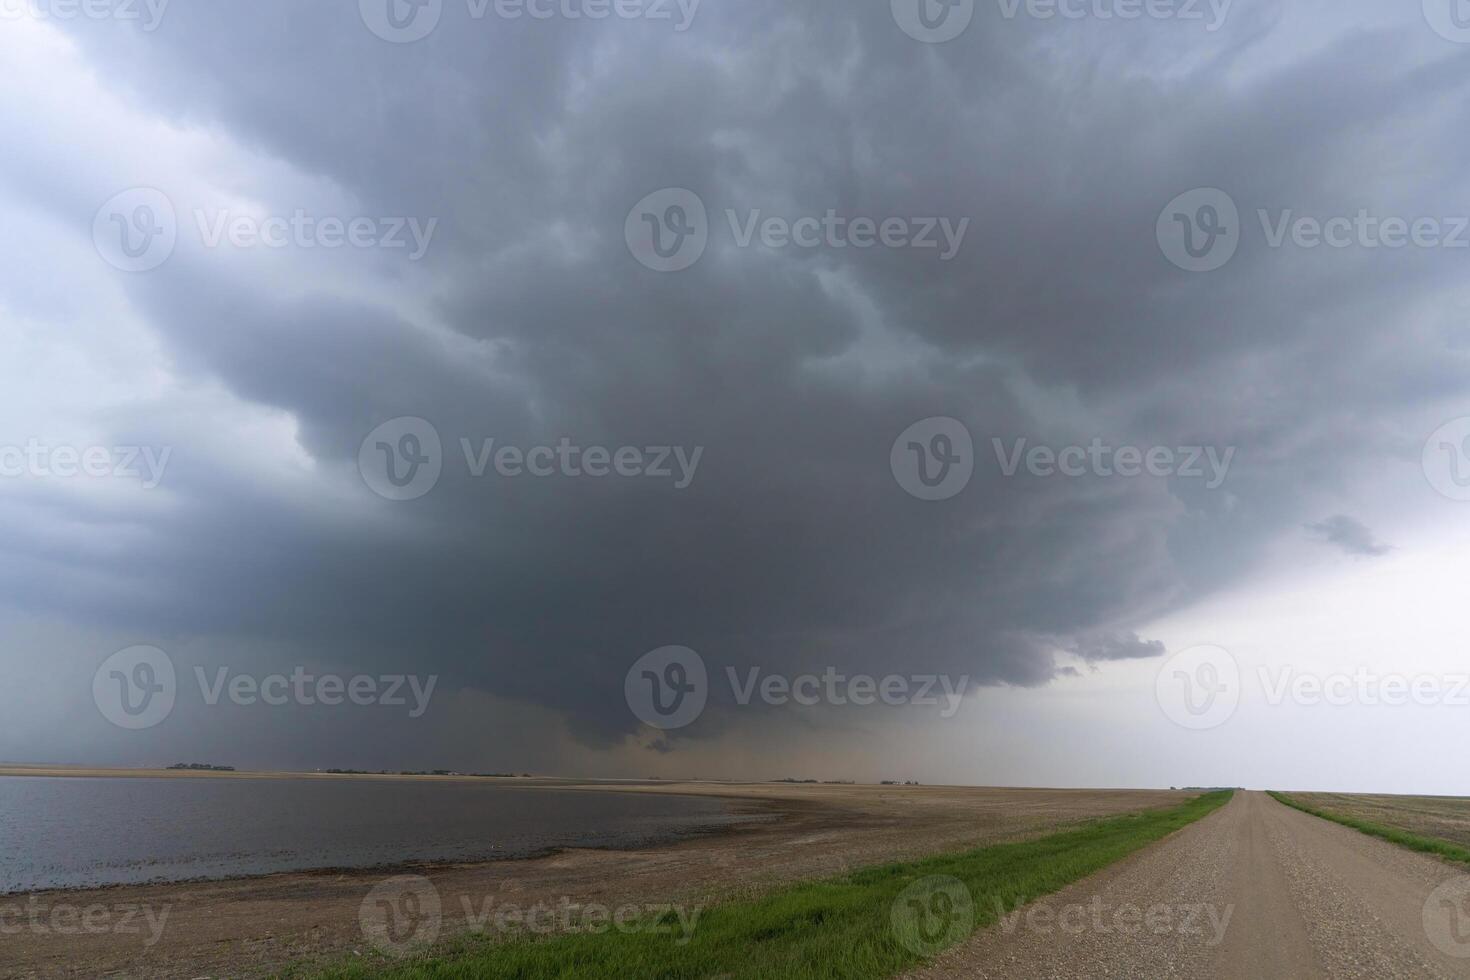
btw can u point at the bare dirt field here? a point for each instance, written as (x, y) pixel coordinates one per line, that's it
(1444, 817)
(253, 926)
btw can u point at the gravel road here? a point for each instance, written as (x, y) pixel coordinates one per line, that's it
(1255, 890)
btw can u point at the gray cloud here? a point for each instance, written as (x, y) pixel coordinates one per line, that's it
(1117, 646)
(1351, 535)
(528, 321)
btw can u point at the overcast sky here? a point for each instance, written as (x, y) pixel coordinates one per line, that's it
(275, 274)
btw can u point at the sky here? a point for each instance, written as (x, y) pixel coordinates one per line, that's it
(990, 392)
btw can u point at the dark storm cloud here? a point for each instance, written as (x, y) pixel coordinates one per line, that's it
(1117, 646)
(1059, 321)
(1351, 535)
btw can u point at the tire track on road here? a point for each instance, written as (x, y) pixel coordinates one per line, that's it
(1256, 890)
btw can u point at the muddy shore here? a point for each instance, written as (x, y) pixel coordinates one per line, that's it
(255, 926)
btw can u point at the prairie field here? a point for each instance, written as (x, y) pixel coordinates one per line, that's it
(1445, 818)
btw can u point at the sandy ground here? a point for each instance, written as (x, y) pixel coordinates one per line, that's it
(1255, 890)
(253, 926)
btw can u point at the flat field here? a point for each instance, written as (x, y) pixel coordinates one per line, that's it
(1445, 818)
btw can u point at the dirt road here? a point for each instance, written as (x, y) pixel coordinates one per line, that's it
(1255, 890)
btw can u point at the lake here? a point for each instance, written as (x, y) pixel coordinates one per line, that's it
(82, 832)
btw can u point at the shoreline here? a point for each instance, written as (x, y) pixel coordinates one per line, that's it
(741, 812)
(53, 771)
(760, 812)
(258, 925)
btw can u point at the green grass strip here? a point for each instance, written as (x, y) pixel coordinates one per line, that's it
(844, 928)
(1414, 842)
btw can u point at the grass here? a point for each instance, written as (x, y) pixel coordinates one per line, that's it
(1414, 842)
(844, 928)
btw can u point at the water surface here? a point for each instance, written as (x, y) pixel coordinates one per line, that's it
(81, 832)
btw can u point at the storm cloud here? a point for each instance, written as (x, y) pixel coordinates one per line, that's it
(1351, 535)
(791, 369)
